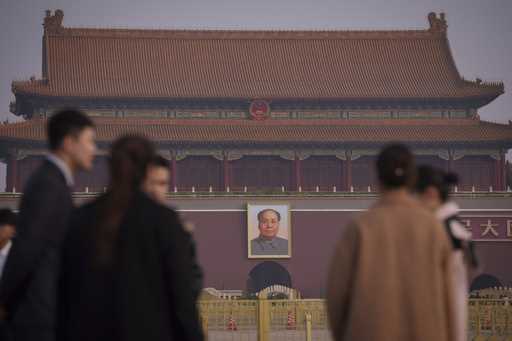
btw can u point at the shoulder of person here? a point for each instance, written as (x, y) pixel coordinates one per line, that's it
(141, 199)
(85, 213)
(164, 214)
(50, 172)
(457, 229)
(166, 211)
(422, 214)
(92, 205)
(45, 177)
(353, 227)
(424, 217)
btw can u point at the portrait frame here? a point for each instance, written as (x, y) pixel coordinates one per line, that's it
(284, 232)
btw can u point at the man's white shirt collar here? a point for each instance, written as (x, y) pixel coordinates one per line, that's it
(63, 167)
(5, 250)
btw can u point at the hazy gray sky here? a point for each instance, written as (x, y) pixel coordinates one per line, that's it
(480, 31)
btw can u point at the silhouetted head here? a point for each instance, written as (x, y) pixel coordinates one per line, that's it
(71, 136)
(130, 157)
(433, 185)
(156, 182)
(396, 168)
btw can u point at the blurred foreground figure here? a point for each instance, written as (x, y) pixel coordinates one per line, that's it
(433, 188)
(28, 290)
(127, 270)
(389, 279)
(7, 232)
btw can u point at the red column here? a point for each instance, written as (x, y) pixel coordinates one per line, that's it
(12, 174)
(505, 168)
(225, 172)
(174, 171)
(450, 161)
(297, 174)
(497, 180)
(348, 171)
(503, 171)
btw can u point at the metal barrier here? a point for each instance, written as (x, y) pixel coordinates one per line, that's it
(490, 318)
(264, 320)
(306, 320)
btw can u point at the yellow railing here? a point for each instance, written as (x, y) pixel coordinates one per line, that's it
(490, 317)
(306, 319)
(264, 320)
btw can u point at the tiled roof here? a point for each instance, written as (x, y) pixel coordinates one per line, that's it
(126, 63)
(282, 131)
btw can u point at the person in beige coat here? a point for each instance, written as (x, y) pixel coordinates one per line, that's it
(389, 278)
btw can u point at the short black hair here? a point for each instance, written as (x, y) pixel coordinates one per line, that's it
(8, 217)
(159, 161)
(260, 214)
(429, 176)
(64, 123)
(396, 167)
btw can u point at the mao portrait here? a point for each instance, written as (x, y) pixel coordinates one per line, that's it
(269, 231)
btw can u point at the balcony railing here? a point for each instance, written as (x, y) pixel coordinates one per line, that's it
(464, 191)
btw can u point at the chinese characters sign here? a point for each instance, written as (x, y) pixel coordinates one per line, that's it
(488, 227)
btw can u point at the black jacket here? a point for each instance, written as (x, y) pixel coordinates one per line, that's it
(29, 284)
(146, 291)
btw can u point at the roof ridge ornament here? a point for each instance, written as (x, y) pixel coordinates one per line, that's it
(53, 23)
(437, 24)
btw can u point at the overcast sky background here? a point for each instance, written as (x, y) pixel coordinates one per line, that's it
(480, 31)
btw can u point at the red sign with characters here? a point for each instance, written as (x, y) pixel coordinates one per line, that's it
(259, 110)
(488, 227)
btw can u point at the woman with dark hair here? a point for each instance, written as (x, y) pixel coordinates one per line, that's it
(389, 276)
(126, 268)
(433, 187)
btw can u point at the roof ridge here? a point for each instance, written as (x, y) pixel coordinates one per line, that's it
(131, 33)
(479, 83)
(53, 27)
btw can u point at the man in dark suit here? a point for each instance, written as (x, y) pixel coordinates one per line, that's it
(28, 288)
(156, 185)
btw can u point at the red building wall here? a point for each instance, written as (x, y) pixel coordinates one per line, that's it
(258, 172)
(322, 171)
(364, 174)
(433, 161)
(26, 167)
(272, 172)
(96, 180)
(222, 249)
(478, 171)
(200, 172)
